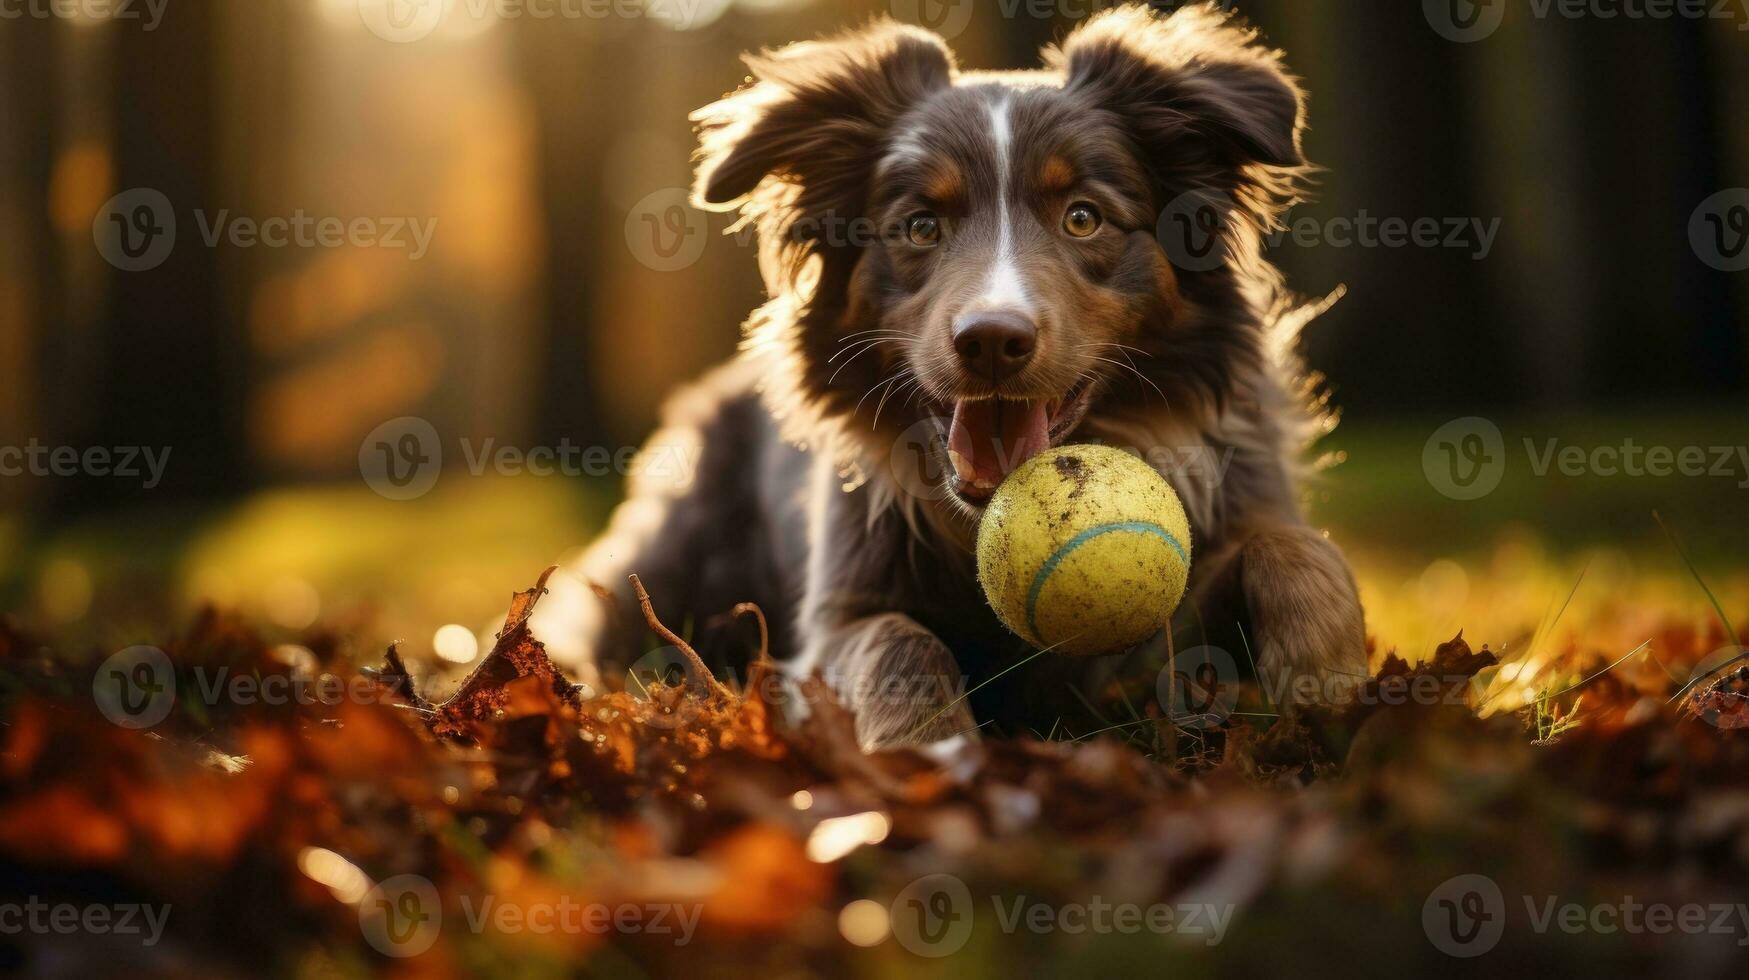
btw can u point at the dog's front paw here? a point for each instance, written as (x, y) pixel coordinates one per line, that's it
(901, 682)
(1310, 634)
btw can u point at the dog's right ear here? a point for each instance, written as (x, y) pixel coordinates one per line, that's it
(815, 116)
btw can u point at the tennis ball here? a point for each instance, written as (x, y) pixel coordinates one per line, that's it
(1085, 550)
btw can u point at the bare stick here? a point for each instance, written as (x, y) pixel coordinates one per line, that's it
(668, 634)
(752, 609)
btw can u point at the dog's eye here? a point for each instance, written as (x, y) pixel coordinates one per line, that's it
(1082, 219)
(924, 229)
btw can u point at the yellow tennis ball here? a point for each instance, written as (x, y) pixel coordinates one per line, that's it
(1085, 550)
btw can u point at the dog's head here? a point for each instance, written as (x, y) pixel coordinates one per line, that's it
(986, 248)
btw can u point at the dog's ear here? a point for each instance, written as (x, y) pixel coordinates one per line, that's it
(1195, 90)
(816, 114)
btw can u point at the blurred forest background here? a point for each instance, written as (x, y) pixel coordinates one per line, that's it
(544, 147)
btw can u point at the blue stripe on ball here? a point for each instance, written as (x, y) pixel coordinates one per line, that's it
(1056, 558)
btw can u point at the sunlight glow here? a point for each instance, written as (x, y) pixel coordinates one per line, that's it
(455, 643)
(863, 922)
(835, 837)
(343, 878)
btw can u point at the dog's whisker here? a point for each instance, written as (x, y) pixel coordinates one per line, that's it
(862, 344)
(883, 402)
(1115, 346)
(1131, 368)
(875, 330)
(878, 385)
(847, 363)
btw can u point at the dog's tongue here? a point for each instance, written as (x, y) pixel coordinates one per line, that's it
(990, 438)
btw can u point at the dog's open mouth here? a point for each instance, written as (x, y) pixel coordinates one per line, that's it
(990, 437)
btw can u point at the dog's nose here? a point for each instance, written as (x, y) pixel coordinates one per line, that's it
(994, 344)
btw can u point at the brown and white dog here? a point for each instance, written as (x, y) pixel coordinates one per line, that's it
(964, 269)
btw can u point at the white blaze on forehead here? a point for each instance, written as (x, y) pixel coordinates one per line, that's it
(1003, 289)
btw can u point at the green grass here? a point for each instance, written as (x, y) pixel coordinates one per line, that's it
(1428, 565)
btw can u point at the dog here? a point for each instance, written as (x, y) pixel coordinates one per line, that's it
(965, 268)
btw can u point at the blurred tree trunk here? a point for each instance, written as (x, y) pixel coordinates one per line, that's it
(570, 84)
(28, 276)
(173, 377)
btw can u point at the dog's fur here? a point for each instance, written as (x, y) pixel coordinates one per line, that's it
(807, 494)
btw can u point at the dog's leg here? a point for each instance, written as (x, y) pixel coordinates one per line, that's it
(899, 680)
(684, 531)
(895, 675)
(1309, 633)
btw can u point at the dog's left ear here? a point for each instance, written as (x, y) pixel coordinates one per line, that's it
(816, 115)
(1195, 90)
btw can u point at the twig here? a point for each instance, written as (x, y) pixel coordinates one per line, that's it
(752, 609)
(665, 633)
